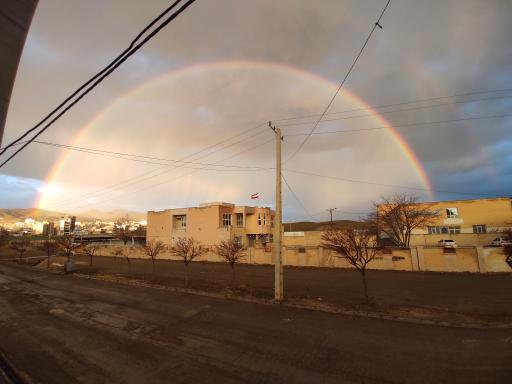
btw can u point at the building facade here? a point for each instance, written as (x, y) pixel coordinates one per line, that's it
(67, 225)
(468, 222)
(212, 223)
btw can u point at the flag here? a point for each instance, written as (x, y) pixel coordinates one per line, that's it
(255, 196)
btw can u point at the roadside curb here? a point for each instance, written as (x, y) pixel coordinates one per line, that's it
(291, 304)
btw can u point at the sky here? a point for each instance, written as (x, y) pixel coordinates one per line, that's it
(224, 68)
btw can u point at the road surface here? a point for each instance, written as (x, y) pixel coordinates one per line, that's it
(65, 329)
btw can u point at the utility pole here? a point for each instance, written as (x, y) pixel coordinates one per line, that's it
(331, 210)
(278, 227)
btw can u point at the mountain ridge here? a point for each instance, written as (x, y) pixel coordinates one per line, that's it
(19, 214)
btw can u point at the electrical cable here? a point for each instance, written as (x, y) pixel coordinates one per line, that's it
(296, 197)
(386, 112)
(183, 175)
(390, 185)
(223, 144)
(117, 62)
(374, 107)
(403, 125)
(377, 24)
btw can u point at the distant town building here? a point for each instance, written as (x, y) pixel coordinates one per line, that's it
(211, 223)
(49, 229)
(67, 225)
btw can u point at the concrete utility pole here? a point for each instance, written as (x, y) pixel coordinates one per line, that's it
(278, 227)
(331, 210)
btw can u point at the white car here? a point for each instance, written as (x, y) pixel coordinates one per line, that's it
(500, 241)
(448, 243)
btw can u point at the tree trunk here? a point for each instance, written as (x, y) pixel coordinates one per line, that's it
(365, 286)
(90, 259)
(186, 275)
(129, 264)
(153, 263)
(233, 275)
(48, 262)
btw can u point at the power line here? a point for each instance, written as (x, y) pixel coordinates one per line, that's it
(159, 17)
(391, 185)
(144, 176)
(223, 144)
(205, 165)
(183, 175)
(403, 125)
(140, 158)
(377, 24)
(389, 112)
(102, 74)
(296, 197)
(372, 107)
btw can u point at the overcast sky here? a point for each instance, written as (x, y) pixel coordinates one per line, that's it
(182, 92)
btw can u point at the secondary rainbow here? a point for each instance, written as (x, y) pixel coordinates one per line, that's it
(42, 199)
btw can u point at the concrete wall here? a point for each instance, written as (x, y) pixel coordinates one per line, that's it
(471, 259)
(462, 239)
(463, 260)
(159, 227)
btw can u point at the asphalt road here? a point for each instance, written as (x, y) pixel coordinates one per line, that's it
(65, 329)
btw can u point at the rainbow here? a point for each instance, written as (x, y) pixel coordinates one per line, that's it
(43, 199)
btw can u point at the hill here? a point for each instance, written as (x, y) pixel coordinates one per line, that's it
(20, 214)
(301, 226)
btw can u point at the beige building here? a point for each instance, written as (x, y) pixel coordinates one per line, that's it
(211, 223)
(468, 222)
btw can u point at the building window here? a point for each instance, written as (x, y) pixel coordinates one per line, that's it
(239, 219)
(480, 228)
(435, 230)
(181, 221)
(259, 218)
(454, 229)
(226, 219)
(238, 240)
(264, 219)
(452, 212)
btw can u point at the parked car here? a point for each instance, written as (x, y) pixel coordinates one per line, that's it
(501, 241)
(448, 243)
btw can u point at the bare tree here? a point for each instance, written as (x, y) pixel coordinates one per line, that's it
(68, 246)
(187, 249)
(507, 249)
(121, 252)
(153, 249)
(232, 252)
(3, 236)
(122, 231)
(399, 215)
(50, 248)
(20, 246)
(357, 245)
(118, 252)
(90, 250)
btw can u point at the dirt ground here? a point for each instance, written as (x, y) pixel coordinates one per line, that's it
(481, 296)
